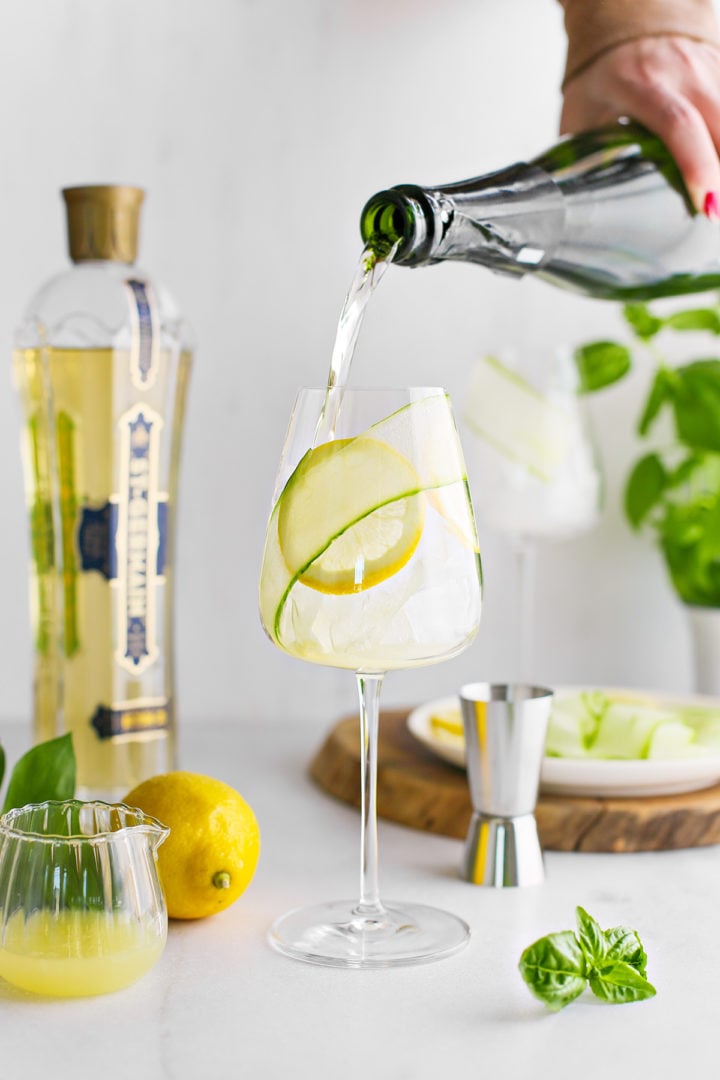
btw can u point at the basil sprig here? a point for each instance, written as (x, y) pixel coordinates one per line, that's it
(558, 968)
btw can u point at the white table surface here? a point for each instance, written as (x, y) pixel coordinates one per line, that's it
(222, 1003)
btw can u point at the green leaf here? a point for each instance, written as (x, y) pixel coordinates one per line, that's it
(624, 944)
(47, 771)
(554, 968)
(2, 764)
(645, 487)
(600, 364)
(643, 323)
(689, 532)
(591, 938)
(697, 319)
(660, 392)
(696, 403)
(684, 472)
(620, 982)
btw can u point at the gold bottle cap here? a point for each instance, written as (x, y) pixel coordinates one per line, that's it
(103, 222)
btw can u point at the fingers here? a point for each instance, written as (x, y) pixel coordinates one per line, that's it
(683, 129)
(670, 85)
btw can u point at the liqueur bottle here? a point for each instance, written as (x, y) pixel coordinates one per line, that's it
(102, 362)
(603, 213)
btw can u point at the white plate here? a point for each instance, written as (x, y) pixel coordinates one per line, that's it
(569, 776)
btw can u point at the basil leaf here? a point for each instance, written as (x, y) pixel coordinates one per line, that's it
(660, 393)
(691, 466)
(591, 938)
(619, 983)
(689, 530)
(554, 968)
(600, 364)
(697, 319)
(47, 771)
(645, 487)
(644, 324)
(696, 404)
(621, 943)
(695, 579)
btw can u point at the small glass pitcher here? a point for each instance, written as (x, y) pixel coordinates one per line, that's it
(81, 906)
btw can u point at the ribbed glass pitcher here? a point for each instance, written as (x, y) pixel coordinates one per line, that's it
(81, 907)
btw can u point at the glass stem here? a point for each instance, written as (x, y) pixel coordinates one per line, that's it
(369, 690)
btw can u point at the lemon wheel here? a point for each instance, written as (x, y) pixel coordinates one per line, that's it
(358, 503)
(353, 512)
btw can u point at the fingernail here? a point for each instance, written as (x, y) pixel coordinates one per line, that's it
(711, 206)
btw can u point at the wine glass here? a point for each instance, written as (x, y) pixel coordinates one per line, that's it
(371, 563)
(535, 465)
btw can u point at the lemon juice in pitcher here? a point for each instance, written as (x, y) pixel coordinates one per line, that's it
(77, 953)
(81, 907)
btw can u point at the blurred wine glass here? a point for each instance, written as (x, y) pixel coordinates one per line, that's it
(535, 471)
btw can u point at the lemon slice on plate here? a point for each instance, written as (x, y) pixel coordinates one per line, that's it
(446, 725)
(352, 515)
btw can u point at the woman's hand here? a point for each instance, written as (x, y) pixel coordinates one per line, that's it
(669, 84)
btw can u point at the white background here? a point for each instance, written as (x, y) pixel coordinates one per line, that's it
(258, 129)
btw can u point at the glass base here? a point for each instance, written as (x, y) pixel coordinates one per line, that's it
(343, 934)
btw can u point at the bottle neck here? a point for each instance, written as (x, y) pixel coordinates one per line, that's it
(597, 211)
(110, 266)
(508, 220)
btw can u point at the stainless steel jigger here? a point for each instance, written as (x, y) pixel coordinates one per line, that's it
(505, 727)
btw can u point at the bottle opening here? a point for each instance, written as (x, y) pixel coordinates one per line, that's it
(386, 220)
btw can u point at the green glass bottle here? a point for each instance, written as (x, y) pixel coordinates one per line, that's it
(604, 213)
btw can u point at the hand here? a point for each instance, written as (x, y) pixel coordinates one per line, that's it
(672, 86)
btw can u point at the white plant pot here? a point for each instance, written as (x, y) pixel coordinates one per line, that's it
(704, 623)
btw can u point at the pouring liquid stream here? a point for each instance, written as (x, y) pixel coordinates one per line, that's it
(368, 275)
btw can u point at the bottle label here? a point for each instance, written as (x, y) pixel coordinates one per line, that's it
(144, 352)
(97, 539)
(139, 550)
(131, 718)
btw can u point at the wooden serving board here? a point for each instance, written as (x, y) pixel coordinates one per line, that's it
(418, 789)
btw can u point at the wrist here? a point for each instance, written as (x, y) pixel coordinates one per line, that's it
(593, 27)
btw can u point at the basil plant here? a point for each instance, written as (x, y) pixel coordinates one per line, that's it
(673, 491)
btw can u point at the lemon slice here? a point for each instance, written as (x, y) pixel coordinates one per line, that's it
(351, 516)
(352, 513)
(446, 725)
(371, 551)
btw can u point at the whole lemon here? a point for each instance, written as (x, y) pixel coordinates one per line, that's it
(214, 844)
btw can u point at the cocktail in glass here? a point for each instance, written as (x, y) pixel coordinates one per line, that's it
(371, 563)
